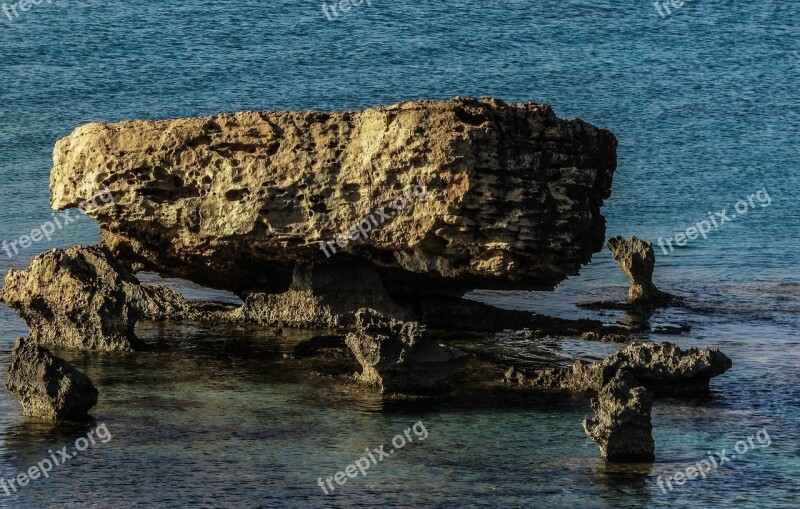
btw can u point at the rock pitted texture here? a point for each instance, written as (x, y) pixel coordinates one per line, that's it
(47, 386)
(638, 261)
(400, 357)
(83, 298)
(238, 201)
(622, 426)
(665, 369)
(662, 368)
(325, 296)
(76, 298)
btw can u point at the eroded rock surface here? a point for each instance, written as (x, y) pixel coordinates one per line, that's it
(622, 425)
(76, 298)
(324, 296)
(400, 357)
(663, 368)
(638, 261)
(47, 386)
(83, 298)
(239, 201)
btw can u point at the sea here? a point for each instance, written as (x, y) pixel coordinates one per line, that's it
(703, 97)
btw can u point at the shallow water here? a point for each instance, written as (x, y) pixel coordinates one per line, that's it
(705, 106)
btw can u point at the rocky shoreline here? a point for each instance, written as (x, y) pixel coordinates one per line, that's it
(243, 203)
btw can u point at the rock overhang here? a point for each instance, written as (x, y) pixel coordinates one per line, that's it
(239, 201)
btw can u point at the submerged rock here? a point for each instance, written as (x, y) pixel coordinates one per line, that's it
(47, 386)
(461, 194)
(83, 298)
(622, 425)
(400, 357)
(638, 260)
(663, 368)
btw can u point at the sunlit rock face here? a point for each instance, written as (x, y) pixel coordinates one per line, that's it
(477, 194)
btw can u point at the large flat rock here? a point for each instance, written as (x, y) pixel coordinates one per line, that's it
(512, 194)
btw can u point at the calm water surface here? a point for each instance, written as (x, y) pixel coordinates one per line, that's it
(705, 105)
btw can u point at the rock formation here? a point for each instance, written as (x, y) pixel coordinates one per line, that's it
(400, 357)
(75, 298)
(621, 425)
(83, 298)
(638, 260)
(48, 387)
(662, 368)
(666, 370)
(511, 199)
(324, 296)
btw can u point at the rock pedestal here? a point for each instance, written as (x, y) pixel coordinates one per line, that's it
(622, 426)
(323, 296)
(638, 260)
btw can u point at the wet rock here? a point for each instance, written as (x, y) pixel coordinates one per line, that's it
(663, 368)
(400, 357)
(638, 260)
(501, 195)
(455, 313)
(83, 298)
(622, 425)
(47, 386)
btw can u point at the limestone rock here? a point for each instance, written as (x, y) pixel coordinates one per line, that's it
(638, 260)
(47, 386)
(512, 194)
(83, 298)
(663, 368)
(324, 296)
(622, 426)
(400, 357)
(75, 298)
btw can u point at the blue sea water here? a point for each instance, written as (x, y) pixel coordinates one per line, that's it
(706, 107)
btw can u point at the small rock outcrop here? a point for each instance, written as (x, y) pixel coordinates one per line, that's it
(83, 298)
(638, 261)
(512, 194)
(75, 298)
(622, 425)
(663, 368)
(400, 357)
(47, 386)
